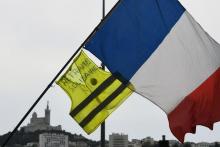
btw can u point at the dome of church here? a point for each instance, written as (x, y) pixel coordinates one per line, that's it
(34, 115)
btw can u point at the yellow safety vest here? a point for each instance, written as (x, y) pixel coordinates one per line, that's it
(94, 93)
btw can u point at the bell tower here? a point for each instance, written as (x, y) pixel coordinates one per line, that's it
(47, 114)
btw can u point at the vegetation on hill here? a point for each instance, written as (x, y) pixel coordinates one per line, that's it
(22, 138)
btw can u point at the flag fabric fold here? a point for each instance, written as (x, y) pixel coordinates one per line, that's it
(167, 57)
(94, 93)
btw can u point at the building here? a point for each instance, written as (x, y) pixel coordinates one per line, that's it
(78, 144)
(53, 140)
(174, 143)
(135, 143)
(148, 140)
(163, 142)
(202, 144)
(40, 123)
(118, 140)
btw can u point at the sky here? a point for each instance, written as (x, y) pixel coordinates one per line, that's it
(37, 37)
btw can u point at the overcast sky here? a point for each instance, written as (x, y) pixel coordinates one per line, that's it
(36, 39)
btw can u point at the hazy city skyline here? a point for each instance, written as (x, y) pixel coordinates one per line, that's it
(42, 124)
(38, 37)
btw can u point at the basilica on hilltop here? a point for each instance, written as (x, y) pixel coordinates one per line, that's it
(40, 123)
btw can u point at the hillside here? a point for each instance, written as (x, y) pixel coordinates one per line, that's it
(23, 138)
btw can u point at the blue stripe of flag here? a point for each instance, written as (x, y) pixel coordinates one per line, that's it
(133, 32)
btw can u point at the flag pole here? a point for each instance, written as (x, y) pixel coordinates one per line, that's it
(103, 67)
(57, 75)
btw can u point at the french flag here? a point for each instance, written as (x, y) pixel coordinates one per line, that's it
(164, 53)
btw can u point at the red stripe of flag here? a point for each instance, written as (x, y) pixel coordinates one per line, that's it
(201, 107)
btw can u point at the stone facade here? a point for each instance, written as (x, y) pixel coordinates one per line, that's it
(53, 140)
(118, 140)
